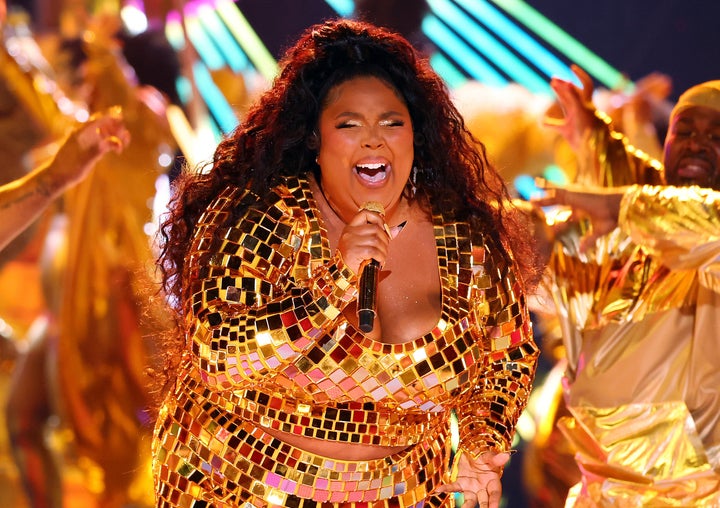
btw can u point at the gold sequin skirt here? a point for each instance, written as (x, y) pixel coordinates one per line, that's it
(206, 456)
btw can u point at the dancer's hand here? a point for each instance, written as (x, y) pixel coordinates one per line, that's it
(600, 204)
(86, 145)
(479, 480)
(577, 108)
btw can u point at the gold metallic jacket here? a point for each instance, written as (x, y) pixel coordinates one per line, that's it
(640, 312)
(270, 348)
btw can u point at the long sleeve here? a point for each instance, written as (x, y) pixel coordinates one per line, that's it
(247, 312)
(606, 158)
(487, 421)
(679, 225)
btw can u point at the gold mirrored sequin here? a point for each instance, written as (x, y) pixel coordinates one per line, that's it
(321, 378)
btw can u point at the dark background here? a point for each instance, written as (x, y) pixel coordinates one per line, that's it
(680, 38)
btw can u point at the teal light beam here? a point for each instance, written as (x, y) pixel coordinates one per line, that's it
(447, 70)
(564, 42)
(185, 91)
(224, 40)
(485, 43)
(344, 8)
(253, 46)
(472, 63)
(214, 99)
(201, 42)
(525, 45)
(453, 76)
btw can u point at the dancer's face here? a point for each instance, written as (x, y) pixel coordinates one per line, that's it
(692, 148)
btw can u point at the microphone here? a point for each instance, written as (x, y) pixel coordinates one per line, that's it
(369, 275)
(367, 295)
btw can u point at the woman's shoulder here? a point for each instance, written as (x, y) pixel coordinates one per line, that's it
(284, 192)
(273, 212)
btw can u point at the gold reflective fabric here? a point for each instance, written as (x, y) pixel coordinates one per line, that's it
(608, 159)
(641, 327)
(271, 349)
(107, 315)
(618, 471)
(28, 75)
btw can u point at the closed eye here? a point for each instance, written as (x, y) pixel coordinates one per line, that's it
(392, 123)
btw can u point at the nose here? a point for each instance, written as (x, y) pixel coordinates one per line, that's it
(373, 138)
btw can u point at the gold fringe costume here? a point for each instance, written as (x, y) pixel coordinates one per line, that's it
(108, 312)
(270, 348)
(640, 313)
(99, 281)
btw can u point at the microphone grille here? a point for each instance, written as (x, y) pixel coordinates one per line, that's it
(374, 206)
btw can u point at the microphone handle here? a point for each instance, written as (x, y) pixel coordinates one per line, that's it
(367, 295)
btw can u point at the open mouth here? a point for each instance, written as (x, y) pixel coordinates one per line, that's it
(372, 173)
(692, 171)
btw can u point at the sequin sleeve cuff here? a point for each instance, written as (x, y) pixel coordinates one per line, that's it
(336, 285)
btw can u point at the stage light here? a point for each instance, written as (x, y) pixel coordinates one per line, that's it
(196, 143)
(224, 40)
(453, 76)
(216, 102)
(174, 31)
(564, 42)
(485, 43)
(344, 8)
(133, 17)
(204, 46)
(523, 44)
(243, 32)
(452, 45)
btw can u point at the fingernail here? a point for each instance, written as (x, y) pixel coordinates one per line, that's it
(395, 230)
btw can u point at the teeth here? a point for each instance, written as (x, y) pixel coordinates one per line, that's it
(377, 165)
(372, 172)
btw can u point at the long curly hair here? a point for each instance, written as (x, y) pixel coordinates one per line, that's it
(279, 138)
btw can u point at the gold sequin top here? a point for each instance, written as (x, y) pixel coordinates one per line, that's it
(267, 332)
(267, 335)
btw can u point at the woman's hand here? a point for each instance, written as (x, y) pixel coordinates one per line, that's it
(87, 144)
(365, 237)
(479, 480)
